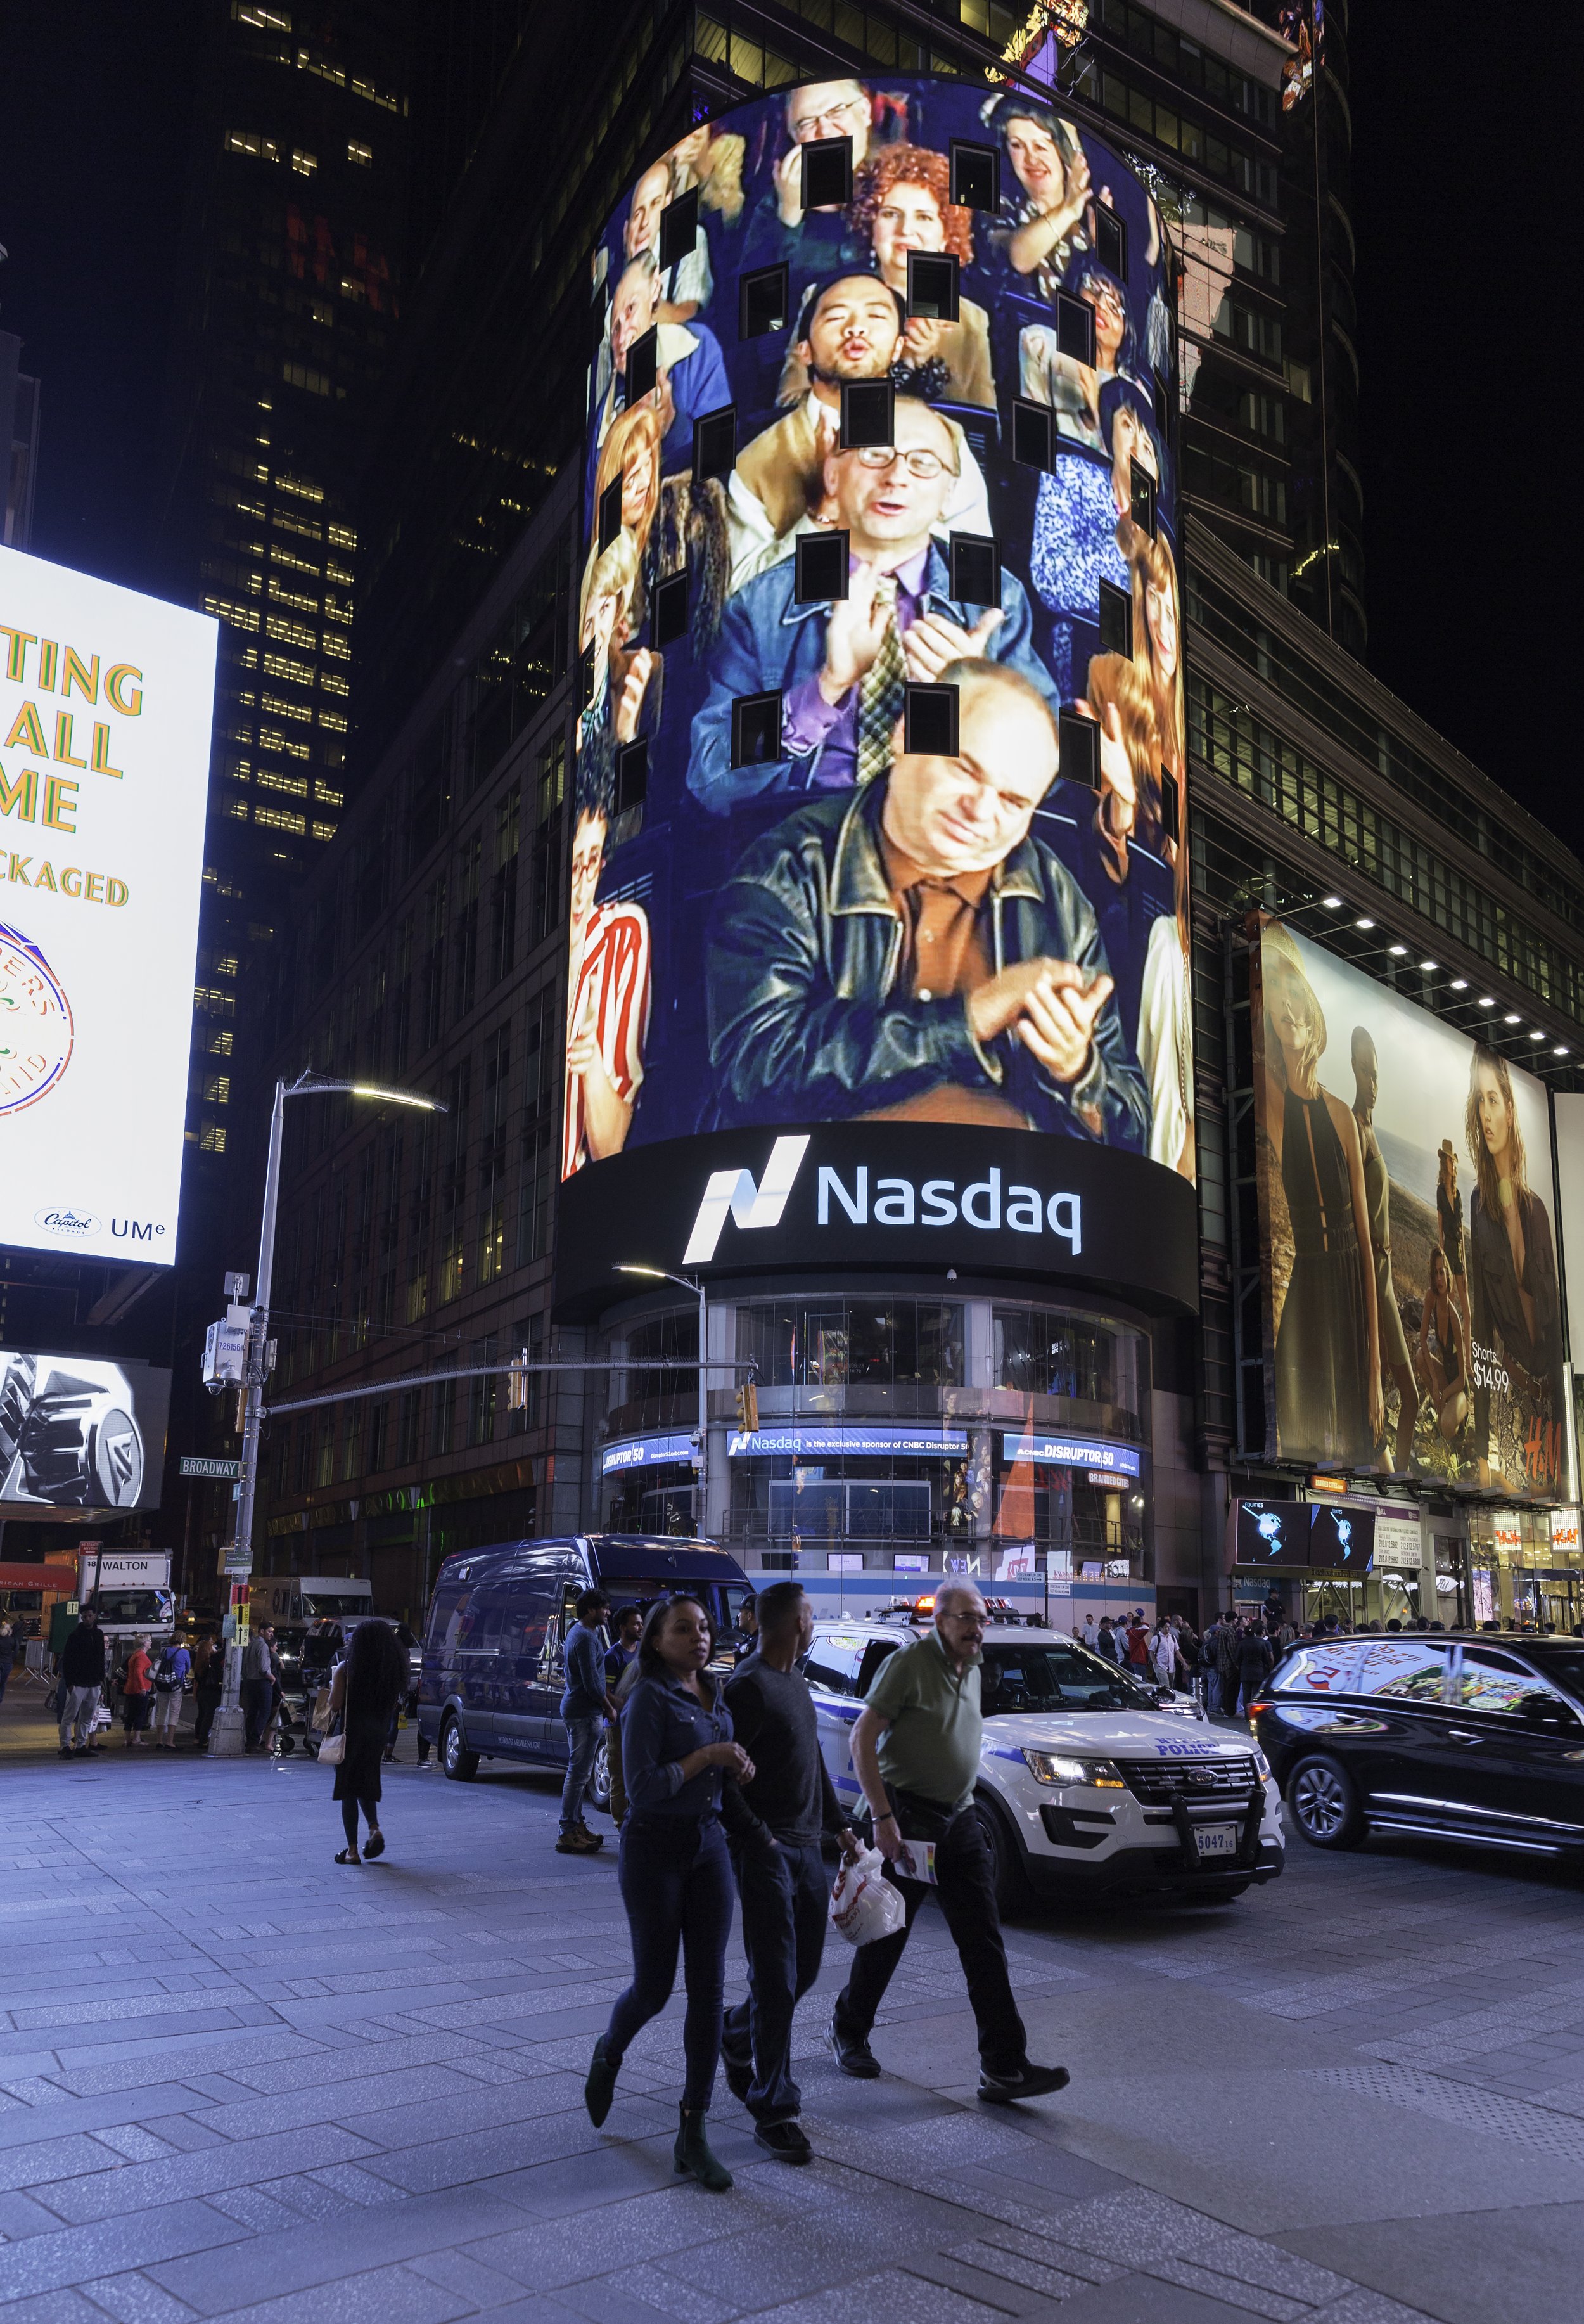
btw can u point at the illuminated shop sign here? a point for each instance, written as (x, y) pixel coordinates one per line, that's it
(842, 445)
(802, 1443)
(1073, 1452)
(107, 703)
(645, 1453)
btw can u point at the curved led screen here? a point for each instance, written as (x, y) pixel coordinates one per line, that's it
(879, 813)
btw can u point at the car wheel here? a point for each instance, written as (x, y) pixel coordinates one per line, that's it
(1013, 1895)
(600, 1781)
(1325, 1804)
(459, 1762)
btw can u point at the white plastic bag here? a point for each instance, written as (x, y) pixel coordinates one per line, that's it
(864, 1904)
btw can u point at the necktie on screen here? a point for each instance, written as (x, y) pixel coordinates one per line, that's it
(882, 690)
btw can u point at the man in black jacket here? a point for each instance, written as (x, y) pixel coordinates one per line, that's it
(912, 951)
(82, 1674)
(781, 1870)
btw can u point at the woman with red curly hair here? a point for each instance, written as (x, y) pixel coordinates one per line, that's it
(901, 202)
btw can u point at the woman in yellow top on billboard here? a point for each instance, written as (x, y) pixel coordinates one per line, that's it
(1329, 1402)
(1512, 1268)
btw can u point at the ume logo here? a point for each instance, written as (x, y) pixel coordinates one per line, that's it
(135, 1230)
(984, 1203)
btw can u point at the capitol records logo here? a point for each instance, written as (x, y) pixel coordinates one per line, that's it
(63, 1221)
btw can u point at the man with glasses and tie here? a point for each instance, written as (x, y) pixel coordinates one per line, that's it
(841, 666)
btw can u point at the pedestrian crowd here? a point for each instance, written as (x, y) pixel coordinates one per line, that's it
(722, 1798)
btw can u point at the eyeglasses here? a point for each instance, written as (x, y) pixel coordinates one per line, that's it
(925, 466)
(853, 109)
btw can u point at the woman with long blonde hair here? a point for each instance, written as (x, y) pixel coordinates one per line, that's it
(1329, 1406)
(1158, 635)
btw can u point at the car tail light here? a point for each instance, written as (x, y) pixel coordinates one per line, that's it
(1256, 1708)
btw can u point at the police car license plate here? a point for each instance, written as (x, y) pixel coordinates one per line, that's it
(1217, 1838)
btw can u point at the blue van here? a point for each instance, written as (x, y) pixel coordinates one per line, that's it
(492, 1670)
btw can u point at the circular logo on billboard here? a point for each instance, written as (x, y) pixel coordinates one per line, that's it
(36, 1028)
(60, 1219)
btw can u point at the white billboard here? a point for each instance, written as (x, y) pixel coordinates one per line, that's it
(107, 703)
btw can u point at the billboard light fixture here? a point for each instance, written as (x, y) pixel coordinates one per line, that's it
(1537, 1037)
(1460, 984)
(1428, 967)
(1486, 1000)
(1364, 924)
(1511, 1018)
(1560, 1050)
(1332, 903)
(1398, 951)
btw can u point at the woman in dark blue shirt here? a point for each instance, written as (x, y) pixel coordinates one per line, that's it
(676, 1752)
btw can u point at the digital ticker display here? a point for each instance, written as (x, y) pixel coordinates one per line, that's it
(107, 703)
(839, 456)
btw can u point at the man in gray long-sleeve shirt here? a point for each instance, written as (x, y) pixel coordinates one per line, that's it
(585, 1707)
(781, 1875)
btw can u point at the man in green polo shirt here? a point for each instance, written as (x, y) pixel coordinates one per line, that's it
(915, 1751)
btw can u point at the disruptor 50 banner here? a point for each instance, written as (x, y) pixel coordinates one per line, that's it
(782, 914)
(1414, 1314)
(107, 698)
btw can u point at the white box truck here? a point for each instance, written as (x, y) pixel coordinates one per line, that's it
(131, 1589)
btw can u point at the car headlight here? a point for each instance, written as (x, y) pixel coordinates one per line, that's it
(1261, 1763)
(1048, 1767)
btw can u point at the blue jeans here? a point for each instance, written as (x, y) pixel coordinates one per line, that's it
(582, 1743)
(1212, 1690)
(786, 1898)
(676, 1878)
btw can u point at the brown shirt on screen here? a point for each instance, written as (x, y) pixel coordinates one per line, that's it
(945, 949)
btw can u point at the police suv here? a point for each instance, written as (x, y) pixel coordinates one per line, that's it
(1090, 1784)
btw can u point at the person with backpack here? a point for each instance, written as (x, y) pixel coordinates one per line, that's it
(1136, 1648)
(170, 1676)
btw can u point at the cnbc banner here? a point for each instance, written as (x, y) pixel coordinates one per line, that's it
(105, 704)
(847, 435)
(1414, 1314)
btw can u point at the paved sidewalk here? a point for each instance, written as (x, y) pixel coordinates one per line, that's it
(238, 2080)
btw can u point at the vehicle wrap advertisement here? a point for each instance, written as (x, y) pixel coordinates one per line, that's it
(107, 699)
(80, 1434)
(781, 915)
(1414, 1314)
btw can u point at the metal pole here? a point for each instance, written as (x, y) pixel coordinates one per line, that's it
(227, 1735)
(704, 1415)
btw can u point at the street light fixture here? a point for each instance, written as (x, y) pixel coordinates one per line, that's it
(664, 1275)
(225, 1737)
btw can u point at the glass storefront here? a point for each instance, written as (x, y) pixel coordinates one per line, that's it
(895, 1432)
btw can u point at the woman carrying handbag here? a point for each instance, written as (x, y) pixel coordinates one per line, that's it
(363, 1694)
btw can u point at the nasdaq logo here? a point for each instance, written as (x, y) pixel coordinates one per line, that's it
(750, 1204)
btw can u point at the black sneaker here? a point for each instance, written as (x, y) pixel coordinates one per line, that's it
(855, 2057)
(1028, 2082)
(739, 2074)
(784, 2140)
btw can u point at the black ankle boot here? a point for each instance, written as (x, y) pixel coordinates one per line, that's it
(692, 2155)
(600, 2086)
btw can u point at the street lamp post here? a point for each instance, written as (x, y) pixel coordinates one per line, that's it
(664, 1275)
(225, 1735)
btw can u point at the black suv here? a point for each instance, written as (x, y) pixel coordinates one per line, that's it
(1472, 1736)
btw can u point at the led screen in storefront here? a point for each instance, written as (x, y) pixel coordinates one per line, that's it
(1413, 1312)
(107, 699)
(77, 1433)
(799, 921)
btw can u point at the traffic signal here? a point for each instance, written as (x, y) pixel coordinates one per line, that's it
(517, 1384)
(748, 1405)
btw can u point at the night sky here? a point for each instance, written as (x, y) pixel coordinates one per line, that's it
(1467, 295)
